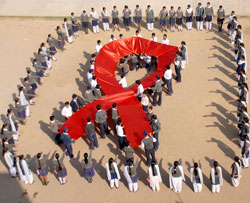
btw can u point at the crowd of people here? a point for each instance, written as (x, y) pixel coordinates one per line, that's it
(18, 164)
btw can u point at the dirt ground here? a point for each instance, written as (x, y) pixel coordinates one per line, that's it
(194, 120)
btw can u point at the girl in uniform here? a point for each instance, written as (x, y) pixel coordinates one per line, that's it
(245, 152)
(176, 176)
(236, 172)
(154, 176)
(20, 109)
(68, 31)
(220, 17)
(105, 19)
(52, 48)
(150, 18)
(230, 18)
(172, 19)
(126, 17)
(10, 161)
(13, 127)
(42, 167)
(44, 57)
(189, 17)
(115, 19)
(243, 92)
(196, 177)
(24, 171)
(138, 17)
(113, 173)
(209, 12)
(87, 166)
(85, 21)
(60, 34)
(163, 19)
(95, 20)
(199, 17)
(216, 177)
(131, 176)
(59, 168)
(30, 90)
(184, 54)
(24, 102)
(75, 24)
(179, 16)
(5, 133)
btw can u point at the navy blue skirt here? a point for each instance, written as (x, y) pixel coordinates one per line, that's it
(70, 32)
(163, 22)
(31, 92)
(172, 21)
(40, 74)
(179, 21)
(89, 172)
(105, 20)
(113, 176)
(150, 20)
(115, 21)
(189, 19)
(11, 141)
(94, 22)
(220, 21)
(53, 49)
(127, 21)
(44, 64)
(208, 18)
(199, 18)
(85, 24)
(16, 126)
(138, 19)
(75, 28)
(62, 173)
(44, 171)
(134, 179)
(22, 114)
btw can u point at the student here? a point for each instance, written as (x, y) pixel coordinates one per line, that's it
(199, 17)
(233, 26)
(88, 96)
(68, 31)
(189, 17)
(75, 25)
(124, 67)
(138, 17)
(148, 144)
(123, 81)
(140, 90)
(177, 64)
(179, 17)
(101, 119)
(10, 161)
(97, 91)
(209, 12)
(52, 48)
(44, 57)
(42, 168)
(126, 17)
(241, 65)
(85, 21)
(220, 17)
(61, 41)
(24, 171)
(90, 75)
(184, 54)
(112, 38)
(165, 39)
(87, 165)
(115, 19)
(157, 89)
(40, 69)
(239, 33)
(245, 152)
(54, 127)
(243, 93)
(66, 139)
(168, 79)
(176, 176)
(196, 177)
(95, 20)
(115, 115)
(131, 176)
(105, 19)
(137, 34)
(150, 18)
(120, 134)
(156, 127)
(91, 133)
(6, 134)
(93, 83)
(236, 171)
(93, 57)
(59, 168)
(216, 177)
(98, 46)
(144, 101)
(113, 174)
(147, 61)
(121, 36)
(30, 90)
(230, 18)
(163, 19)
(129, 152)
(242, 78)
(75, 103)
(13, 127)
(172, 14)
(153, 37)
(24, 102)
(150, 113)
(67, 111)
(20, 109)
(154, 176)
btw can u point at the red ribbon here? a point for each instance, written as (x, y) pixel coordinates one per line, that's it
(133, 117)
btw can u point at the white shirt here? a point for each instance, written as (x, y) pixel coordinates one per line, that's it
(111, 40)
(67, 111)
(154, 39)
(142, 143)
(123, 82)
(165, 41)
(139, 35)
(89, 76)
(92, 66)
(140, 90)
(147, 59)
(119, 131)
(168, 74)
(94, 15)
(144, 101)
(93, 84)
(98, 48)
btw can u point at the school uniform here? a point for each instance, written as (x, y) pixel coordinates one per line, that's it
(144, 102)
(177, 64)
(9, 135)
(129, 154)
(138, 16)
(41, 166)
(163, 17)
(243, 92)
(68, 32)
(98, 48)
(126, 17)
(45, 59)
(124, 69)
(172, 14)
(131, 177)
(176, 176)
(75, 25)
(105, 20)
(199, 17)
(76, 105)
(209, 12)
(179, 17)
(123, 82)
(90, 131)
(148, 144)
(54, 127)
(95, 21)
(189, 18)
(236, 174)
(233, 27)
(121, 136)
(21, 110)
(60, 169)
(115, 116)
(32, 78)
(149, 116)
(13, 127)
(245, 154)
(150, 19)
(89, 97)
(61, 40)
(168, 80)
(239, 34)
(220, 16)
(230, 18)
(10, 162)
(24, 172)
(66, 139)
(113, 174)
(156, 127)
(147, 62)
(85, 21)
(102, 122)
(154, 177)
(52, 47)
(115, 18)
(196, 179)
(97, 93)
(216, 179)
(241, 66)
(242, 78)
(157, 92)
(154, 39)
(41, 71)
(134, 61)
(139, 92)
(88, 170)
(67, 112)
(24, 103)
(184, 56)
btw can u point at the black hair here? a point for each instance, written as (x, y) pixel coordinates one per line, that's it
(153, 168)
(157, 77)
(176, 163)
(154, 117)
(114, 6)
(130, 163)
(125, 6)
(98, 41)
(183, 42)
(86, 158)
(51, 117)
(3, 126)
(38, 156)
(72, 13)
(93, 55)
(98, 106)
(237, 159)
(57, 27)
(195, 169)
(215, 167)
(66, 103)
(94, 77)
(138, 82)
(65, 19)
(57, 158)
(153, 34)
(150, 107)
(114, 105)
(110, 162)
(88, 118)
(168, 67)
(8, 111)
(119, 122)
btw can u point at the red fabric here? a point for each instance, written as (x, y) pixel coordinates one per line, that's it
(129, 108)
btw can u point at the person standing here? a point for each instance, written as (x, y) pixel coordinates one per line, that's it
(75, 103)
(150, 114)
(150, 18)
(199, 17)
(10, 160)
(157, 89)
(153, 37)
(87, 165)
(68, 31)
(90, 131)
(236, 171)
(13, 127)
(67, 111)
(95, 20)
(179, 17)
(61, 41)
(101, 119)
(130, 173)
(98, 46)
(154, 176)
(165, 39)
(189, 17)
(75, 24)
(184, 54)
(66, 139)
(126, 17)
(148, 144)
(156, 127)
(59, 168)
(20, 109)
(216, 177)
(129, 152)
(172, 14)
(42, 167)
(52, 48)
(88, 96)
(97, 91)
(54, 126)
(123, 81)
(24, 171)
(140, 90)
(138, 17)
(113, 174)
(85, 21)
(220, 17)
(196, 177)
(120, 134)
(209, 12)
(115, 19)
(176, 176)
(168, 80)
(144, 101)
(115, 115)
(177, 65)
(6, 134)
(245, 152)
(163, 19)
(105, 19)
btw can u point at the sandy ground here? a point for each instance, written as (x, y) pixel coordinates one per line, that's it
(194, 120)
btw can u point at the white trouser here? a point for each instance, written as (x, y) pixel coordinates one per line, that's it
(208, 25)
(96, 29)
(245, 162)
(62, 180)
(177, 184)
(201, 25)
(235, 181)
(27, 110)
(150, 26)
(15, 136)
(106, 26)
(114, 182)
(156, 186)
(70, 39)
(215, 188)
(189, 25)
(197, 187)
(48, 64)
(133, 187)
(233, 35)
(179, 27)
(198, 25)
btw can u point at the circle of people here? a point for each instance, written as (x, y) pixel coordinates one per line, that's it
(18, 164)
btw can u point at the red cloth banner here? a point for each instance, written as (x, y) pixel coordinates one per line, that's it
(133, 117)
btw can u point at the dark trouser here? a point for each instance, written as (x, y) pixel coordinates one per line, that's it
(103, 128)
(169, 86)
(148, 153)
(178, 73)
(115, 121)
(155, 98)
(70, 151)
(93, 140)
(123, 74)
(139, 98)
(134, 65)
(145, 108)
(121, 142)
(155, 135)
(130, 160)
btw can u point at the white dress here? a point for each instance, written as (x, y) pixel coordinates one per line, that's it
(176, 182)
(236, 180)
(25, 175)
(116, 180)
(24, 102)
(70, 38)
(196, 185)
(8, 157)
(155, 180)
